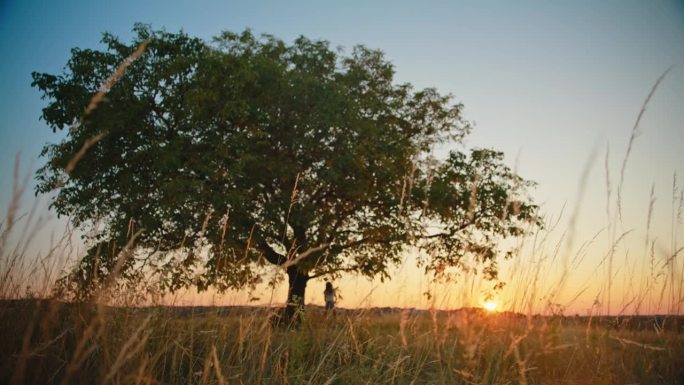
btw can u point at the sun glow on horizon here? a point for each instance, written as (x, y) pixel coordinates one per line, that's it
(490, 305)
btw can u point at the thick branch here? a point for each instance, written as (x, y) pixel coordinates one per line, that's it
(305, 254)
(270, 254)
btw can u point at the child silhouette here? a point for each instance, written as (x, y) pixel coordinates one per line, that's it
(329, 294)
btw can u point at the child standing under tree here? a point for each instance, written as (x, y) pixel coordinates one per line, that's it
(329, 295)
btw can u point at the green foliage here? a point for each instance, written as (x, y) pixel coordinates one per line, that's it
(249, 150)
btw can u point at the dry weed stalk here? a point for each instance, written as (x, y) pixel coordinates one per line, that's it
(96, 100)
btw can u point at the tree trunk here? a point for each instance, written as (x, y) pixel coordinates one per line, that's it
(292, 314)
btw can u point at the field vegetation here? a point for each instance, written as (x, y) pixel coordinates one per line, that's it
(48, 342)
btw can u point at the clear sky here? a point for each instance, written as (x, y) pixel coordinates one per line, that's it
(556, 85)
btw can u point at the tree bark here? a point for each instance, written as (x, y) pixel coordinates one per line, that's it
(292, 314)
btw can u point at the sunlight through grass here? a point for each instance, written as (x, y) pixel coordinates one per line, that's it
(490, 305)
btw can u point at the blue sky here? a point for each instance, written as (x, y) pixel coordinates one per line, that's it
(549, 83)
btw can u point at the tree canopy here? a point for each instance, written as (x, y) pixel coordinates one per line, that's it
(222, 157)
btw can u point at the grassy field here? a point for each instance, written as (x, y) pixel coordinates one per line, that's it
(48, 342)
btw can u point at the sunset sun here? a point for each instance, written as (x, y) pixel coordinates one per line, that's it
(490, 305)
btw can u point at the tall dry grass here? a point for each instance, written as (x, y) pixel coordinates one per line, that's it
(49, 342)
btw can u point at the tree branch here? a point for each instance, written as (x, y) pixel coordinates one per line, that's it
(308, 252)
(270, 254)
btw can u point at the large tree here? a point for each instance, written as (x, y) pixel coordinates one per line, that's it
(221, 157)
